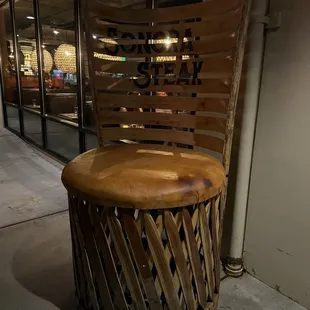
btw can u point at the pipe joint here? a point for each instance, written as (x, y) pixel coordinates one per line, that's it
(233, 267)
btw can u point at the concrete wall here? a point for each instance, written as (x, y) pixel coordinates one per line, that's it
(277, 245)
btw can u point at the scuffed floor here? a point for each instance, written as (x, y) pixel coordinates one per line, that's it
(35, 246)
(30, 185)
(247, 293)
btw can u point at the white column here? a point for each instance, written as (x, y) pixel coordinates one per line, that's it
(234, 265)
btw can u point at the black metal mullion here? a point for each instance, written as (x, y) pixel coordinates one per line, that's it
(17, 68)
(2, 88)
(38, 34)
(79, 72)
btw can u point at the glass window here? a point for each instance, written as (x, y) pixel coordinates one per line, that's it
(91, 141)
(13, 120)
(26, 42)
(59, 58)
(32, 127)
(62, 139)
(7, 56)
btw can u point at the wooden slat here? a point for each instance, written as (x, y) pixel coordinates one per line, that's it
(87, 271)
(215, 239)
(204, 9)
(209, 45)
(207, 247)
(176, 282)
(211, 123)
(221, 86)
(208, 142)
(214, 25)
(163, 119)
(108, 100)
(222, 63)
(141, 261)
(148, 134)
(94, 259)
(126, 262)
(80, 277)
(161, 262)
(181, 266)
(213, 305)
(105, 251)
(192, 249)
(212, 143)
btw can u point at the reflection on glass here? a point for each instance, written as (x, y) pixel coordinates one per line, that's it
(7, 55)
(91, 142)
(26, 42)
(88, 111)
(59, 58)
(13, 120)
(32, 127)
(62, 139)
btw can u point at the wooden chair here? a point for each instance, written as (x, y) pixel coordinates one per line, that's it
(146, 219)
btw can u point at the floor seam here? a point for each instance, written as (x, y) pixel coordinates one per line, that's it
(33, 219)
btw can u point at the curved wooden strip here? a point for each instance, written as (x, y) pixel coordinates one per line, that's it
(164, 119)
(141, 261)
(105, 251)
(242, 40)
(109, 100)
(126, 262)
(94, 258)
(221, 86)
(207, 246)
(214, 25)
(161, 262)
(204, 9)
(193, 253)
(209, 45)
(178, 254)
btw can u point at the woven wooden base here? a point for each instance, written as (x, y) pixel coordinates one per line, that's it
(158, 259)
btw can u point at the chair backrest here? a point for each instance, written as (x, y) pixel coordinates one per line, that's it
(184, 61)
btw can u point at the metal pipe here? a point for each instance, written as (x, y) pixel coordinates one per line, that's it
(234, 264)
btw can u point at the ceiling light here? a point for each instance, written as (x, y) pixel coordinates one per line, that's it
(43, 46)
(30, 17)
(17, 35)
(65, 58)
(94, 36)
(167, 42)
(56, 32)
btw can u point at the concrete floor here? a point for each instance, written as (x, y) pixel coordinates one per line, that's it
(35, 261)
